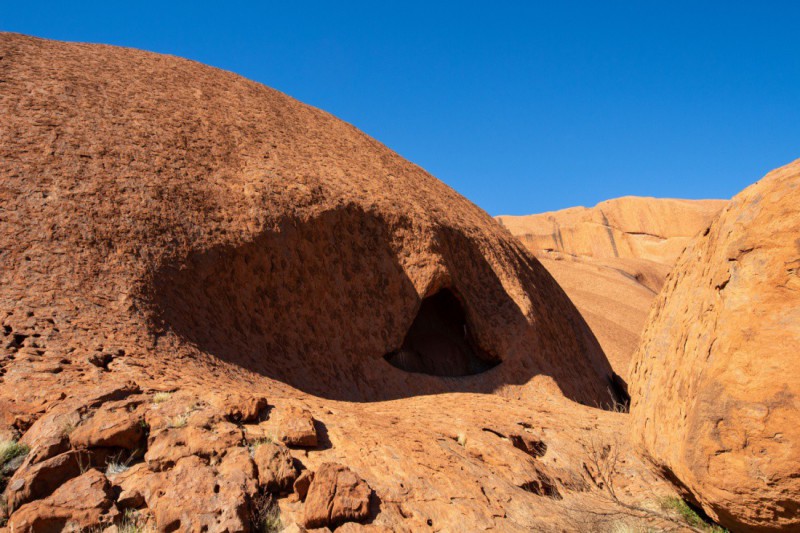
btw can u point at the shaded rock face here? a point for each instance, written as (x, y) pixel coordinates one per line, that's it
(439, 341)
(329, 292)
(312, 298)
(716, 380)
(612, 259)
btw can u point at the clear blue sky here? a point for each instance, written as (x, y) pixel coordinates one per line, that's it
(521, 106)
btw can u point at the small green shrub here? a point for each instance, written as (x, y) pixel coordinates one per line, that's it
(265, 515)
(260, 442)
(10, 449)
(678, 506)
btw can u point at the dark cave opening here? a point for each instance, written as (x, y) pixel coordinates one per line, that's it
(439, 341)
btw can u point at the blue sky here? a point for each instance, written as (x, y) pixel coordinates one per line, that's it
(522, 107)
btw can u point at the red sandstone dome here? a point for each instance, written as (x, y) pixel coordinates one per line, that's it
(194, 213)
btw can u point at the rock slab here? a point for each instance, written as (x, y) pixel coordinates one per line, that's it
(336, 495)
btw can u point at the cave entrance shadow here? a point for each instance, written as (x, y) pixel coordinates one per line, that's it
(440, 341)
(318, 302)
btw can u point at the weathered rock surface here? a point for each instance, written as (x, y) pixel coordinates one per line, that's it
(32, 482)
(118, 428)
(652, 229)
(194, 496)
(180, 243)
(276, 470)
(612, 259)
(716, 380)
(613, 304)
(79, 504)
(336, 495)
(186, 206)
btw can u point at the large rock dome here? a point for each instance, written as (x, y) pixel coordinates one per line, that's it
(223, 220)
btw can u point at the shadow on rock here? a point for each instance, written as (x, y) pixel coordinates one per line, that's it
(325, 305)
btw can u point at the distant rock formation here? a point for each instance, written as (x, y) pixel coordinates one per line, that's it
(716, 381)
(648, 229)
(612, 259)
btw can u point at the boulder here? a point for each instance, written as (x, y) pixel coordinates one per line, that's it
(302, 484)
(238, 468)
(716, 380)
(79, 504)
(32, 482)
(49, 434)
(295, 427)
(194, 496)
(336, 495)
(47, 447)
(110, 428)
(131, 486)
(276, 470)
(246, 410)
(168, 445)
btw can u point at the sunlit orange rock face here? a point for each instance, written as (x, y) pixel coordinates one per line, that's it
(648, 229)
(210, 290)
(612, 259)
(716, 380)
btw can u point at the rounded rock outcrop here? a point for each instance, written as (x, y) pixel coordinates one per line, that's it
(194, 213)
(716, 380)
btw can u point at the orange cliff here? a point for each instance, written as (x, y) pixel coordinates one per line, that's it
(612, 259)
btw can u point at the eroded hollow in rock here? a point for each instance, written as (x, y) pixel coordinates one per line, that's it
(317, 301)
(439, 341)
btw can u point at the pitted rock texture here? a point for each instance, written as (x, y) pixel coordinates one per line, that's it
(194, 265)
(82, 502)
(716, 380)
(217, 215)
(612, 259)
(336, 495)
